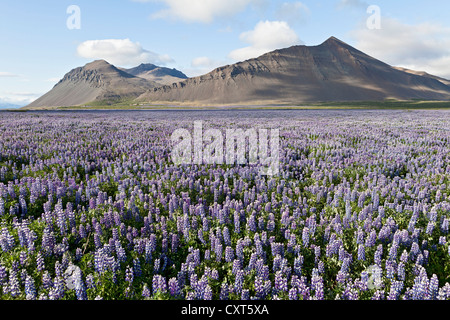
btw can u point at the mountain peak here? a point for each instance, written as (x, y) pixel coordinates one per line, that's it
(334, 41)
(98, 64)
(155, 73)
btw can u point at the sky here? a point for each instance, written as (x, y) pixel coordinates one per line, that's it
(43, 40)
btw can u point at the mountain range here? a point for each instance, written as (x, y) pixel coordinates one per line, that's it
(331, 71)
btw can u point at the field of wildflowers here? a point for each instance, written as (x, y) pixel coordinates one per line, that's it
(92, 207)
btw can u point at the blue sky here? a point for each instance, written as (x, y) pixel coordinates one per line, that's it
(195, 36)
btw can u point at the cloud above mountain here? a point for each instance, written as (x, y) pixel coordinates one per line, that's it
(423, 47)
(265, 37)
(204, 11)
(121, 52)
(293, 12)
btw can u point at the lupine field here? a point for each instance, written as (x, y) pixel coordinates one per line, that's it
(92, 207)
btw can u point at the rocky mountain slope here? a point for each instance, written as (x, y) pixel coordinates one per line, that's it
(157, 74)
(96, 81)
(332, 71)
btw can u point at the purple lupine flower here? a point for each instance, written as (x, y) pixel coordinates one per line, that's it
(59, 286)
(152, 242)
(401, 271)
(390, 271)
(239, 250)
(121, 254)
(378, 254)
(280, 282)
(82, 231)
(224, 291)
(97, 241)
(419, 260)
(129, 275)
(40, 265)
(137, 268)
(30, 290)
(419, 289)
(245, 294)
(276, 263)
(433, 287)
(364, 280)
(259, 287)
(414, 250)
(298, 262)
(237, 265)
(444, 292)
(345, 265)
(444, 225)
(47, 280)
(226, 236)
(321, 267)
(293, 295)
(218, 250)
(208, 294)
(342, 277)
(251, 223)
(265, 272)
(361, 252)
(156, 265)
(215, 274)
(239, 281)
(174, 288)
(305, 236)
(359, 236)
(159, 284)
(237, 222)
(430, 227)
(146, 291)
(207, 254)
(7, 241)
(3, 275)
(80, 288)
(378, 295)
(317, 285)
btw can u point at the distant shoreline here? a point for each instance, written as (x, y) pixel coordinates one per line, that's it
(357, 105)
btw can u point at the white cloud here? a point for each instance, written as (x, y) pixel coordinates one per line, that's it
(202, 62)
(293, 12)
(421, 47)
(203, 65)
(201, 10)
(266, 36)
(8, 74)
(352, 3)
(55, 79)
(18, 98)
(121, 52)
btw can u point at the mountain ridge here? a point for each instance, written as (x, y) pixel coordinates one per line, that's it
(96, 81)
(155, 73)
(330, 71)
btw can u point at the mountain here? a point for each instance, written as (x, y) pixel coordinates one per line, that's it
(157, 74)
(424, 74)
(7, 105)
(331, 71)
(96, 81)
